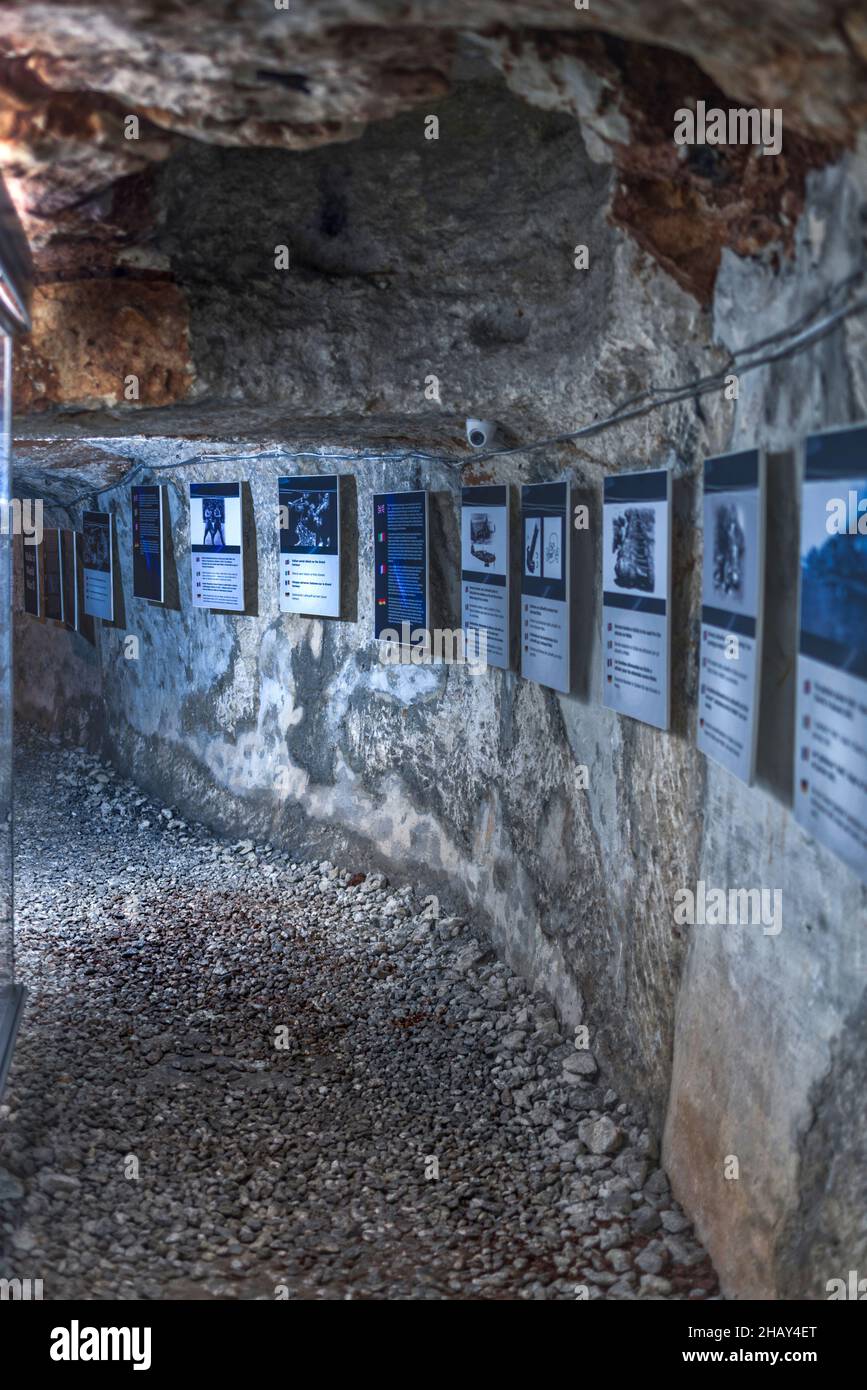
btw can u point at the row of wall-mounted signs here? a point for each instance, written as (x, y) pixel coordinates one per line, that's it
(75, 583)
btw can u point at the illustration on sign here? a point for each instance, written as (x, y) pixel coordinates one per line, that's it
(310, 545)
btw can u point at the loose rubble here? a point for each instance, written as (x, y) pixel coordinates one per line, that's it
(244, 1076)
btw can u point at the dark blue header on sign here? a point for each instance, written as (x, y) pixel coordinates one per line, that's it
(487, 495)
(728, 622)
(634, 603)
(837, 454)
(215, 489)
(732, 472)
(844, 658)
(638, 487)
(302, 482)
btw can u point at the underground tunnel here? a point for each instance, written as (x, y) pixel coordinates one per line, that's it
(434, 579)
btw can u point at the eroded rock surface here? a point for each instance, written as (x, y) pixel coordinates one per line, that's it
(72, 77)
(244, 1076)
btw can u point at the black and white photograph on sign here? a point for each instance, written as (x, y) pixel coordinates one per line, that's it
(545, 585)
(834, 572)
(552, 547)
(216, 546)
(97, 542)
(730, 569)
(214, 522)
(731, 615)
(485, 592)
(831, 713)
(312, 516)
(98, 563)
(728, 552)
(533, 546)
(635, 538)
(484, 538)
(636, 581)
(633, 542)
(309, 523)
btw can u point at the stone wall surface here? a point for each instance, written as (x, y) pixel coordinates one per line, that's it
(291, 729)
(764, 1023)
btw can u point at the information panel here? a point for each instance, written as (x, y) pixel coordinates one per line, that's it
(636, 597)
(83, 620)
(545, 584)
(67, 577)
(485, 570)
(32, 576)
(400, 553)
(98, 561)
(732, 594)
(831, 730)
(216, 545)
(148, 541)
(53, 576)
(310, 544)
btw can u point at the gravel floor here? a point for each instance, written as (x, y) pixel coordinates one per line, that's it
(241, 1076)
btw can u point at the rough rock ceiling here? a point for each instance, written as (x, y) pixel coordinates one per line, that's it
(250, 74)
(247, 73)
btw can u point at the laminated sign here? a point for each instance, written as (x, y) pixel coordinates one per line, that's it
(148, 561)
(310, 544)
(831, 712)
(485, 570)
(732, 596)
(636, 595)
(400, 557)
(545, 584)
(98, 563)
(217, 546)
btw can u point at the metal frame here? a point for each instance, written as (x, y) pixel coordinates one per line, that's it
(16, 278)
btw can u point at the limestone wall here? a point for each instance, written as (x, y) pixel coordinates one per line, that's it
(290, 729)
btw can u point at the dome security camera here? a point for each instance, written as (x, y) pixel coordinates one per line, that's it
(481, 433)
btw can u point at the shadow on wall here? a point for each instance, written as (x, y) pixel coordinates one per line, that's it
(585, 553)
(348, 547)
(171, 589)
(776, 746)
